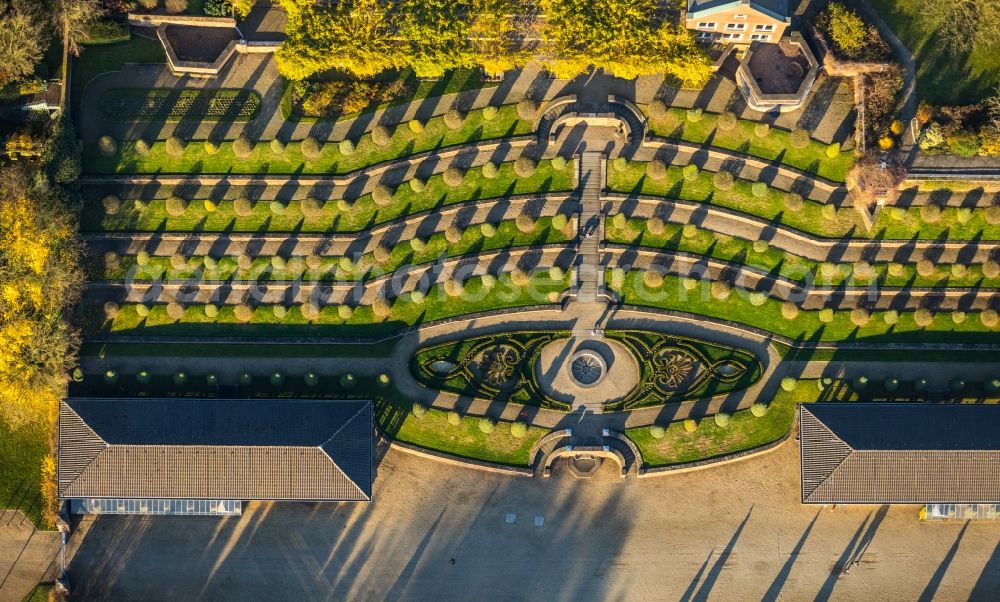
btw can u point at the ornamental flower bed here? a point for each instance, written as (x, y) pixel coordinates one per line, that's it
(176, 105)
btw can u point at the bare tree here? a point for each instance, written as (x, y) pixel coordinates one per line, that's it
(75, 19)
(22, 40)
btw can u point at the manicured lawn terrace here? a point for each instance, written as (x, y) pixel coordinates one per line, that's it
(359, 214)
(110, 351)
(775, 261)
(23, 450)
(806, 326)
(846, 221)
(943, 77)
(965, 356)
(194, 159)
(337, 268)
(458, 80)
(744, 431)
(433, 431)
(437, 305)
(775, 147)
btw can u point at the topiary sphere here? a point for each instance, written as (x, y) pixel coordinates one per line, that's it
(930, 213)
(490, 113)
(111, 310)
(690, 425)
(518, 429)
(243, 312)
(244, 261)
(112, 204)
(345, 312)
(454, 119)
(860, 383)
(346, 147)
(990, 268)
(619, 164)
(381, 136)
(310, 310)
(656, 170)
(311, 149)
(175, 146)
(759, 189)
(525, 223)
(382, 195)
(277, 207)
(992, 386)
(180, 378)
(558, 163)
(760, 246)
(417, 185)
(989, 317)
(176, 206)
(486, 424)
(311, 207)
(110, 376)
(142, 310)
(689, 231)
(723, 180)
(694, 115)
(656, 109)
(175, 310)
(793, 201)
(490, 170)
(488, 230)
(245, 378)
(826, 315)
(758, 409)
(453, 288)
(242, 147)
(762, 130)
(107, 146)
(525, 166)
(923, 317)
(652, 279)
(558, 221)
(655, 226)
(453, 177)
(454, 418)
(799, 138)
(721, 290)
(757, 298)
(789, 310)
(726, 121)
(690, 172)
(311, 379)
(958, 317)
(210, 147)
(890, 317)
(657, 432)
(277, 378)
(860, 316)
(381, 308)
(788, 383)
(721, 420)
(417, 297)
(453, 234)
(419, 410)
(141, 147)
(891, 384)
(143, 377)
(957, 385)
(243, 206)
(279, 311)
(527, 109)
(211, 310)
(416, 126)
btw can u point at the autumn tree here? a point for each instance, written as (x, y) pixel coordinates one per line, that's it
(625, 38)
(23, 39)
(353, 35)
(496, 35)
(434, 35)
(75, 18)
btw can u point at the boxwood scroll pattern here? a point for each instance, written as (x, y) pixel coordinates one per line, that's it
(498, 367)
(674, 369)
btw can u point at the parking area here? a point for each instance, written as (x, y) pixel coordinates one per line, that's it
(734, 532)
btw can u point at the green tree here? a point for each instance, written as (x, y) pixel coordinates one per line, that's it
(626, 38)
(435, 34)
(353, 35)
(23, 39)
(494, 36)
(847, 29)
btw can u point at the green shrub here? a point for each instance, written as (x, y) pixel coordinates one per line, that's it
(721, 420)
(656, 170)
(110, 376)
(277, 147)
(141, 147)
(490, 170)
(277, 207)
(107, 146)
(726, 121)
(759, 190)
(957, 385)
(486, 424)
(788, 383)
(211, 311)
(175, 146)
(211, 379)
(558, 163)
(723, 180)
(527, 109)
(311, 379)
(799, 138)
(694, 115)
(690, 172)
(382, 195)
(619, 164)
(346, 147)
(657, 432)
(762, 130)
(418, 410)
(829, 212)
(381, 136)
(416, 126)
(454, 418)
(833, 150)
(559, 221)
(846, 29)
(758, 409)
(143, 377)
(891, 384)
(454, 119)
(760, 246)
(525, 166)
(488, 230)
(142, 310)
(690, 425)
(860, 383)
(180, 378)
(242, 147)
(518, 429)
(490, 113)
(383, 380)
(992, 386)
(176, 206)
(454, 177)
(245, 378)
(277, 378)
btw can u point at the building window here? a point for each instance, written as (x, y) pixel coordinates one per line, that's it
(736, 26)
(740, 17)
(763, 27)
(707, 25)
(706, 35)
(732, 36)
(762, 37)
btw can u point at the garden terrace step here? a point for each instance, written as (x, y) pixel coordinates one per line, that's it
(813, 298)
(803, 244)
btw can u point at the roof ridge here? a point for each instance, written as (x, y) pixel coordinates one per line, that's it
(322, 448)
(86, 433)
(813, 475)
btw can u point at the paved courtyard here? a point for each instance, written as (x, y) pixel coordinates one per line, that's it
(734, 532)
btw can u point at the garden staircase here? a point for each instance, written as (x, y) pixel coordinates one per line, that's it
(590, 272)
